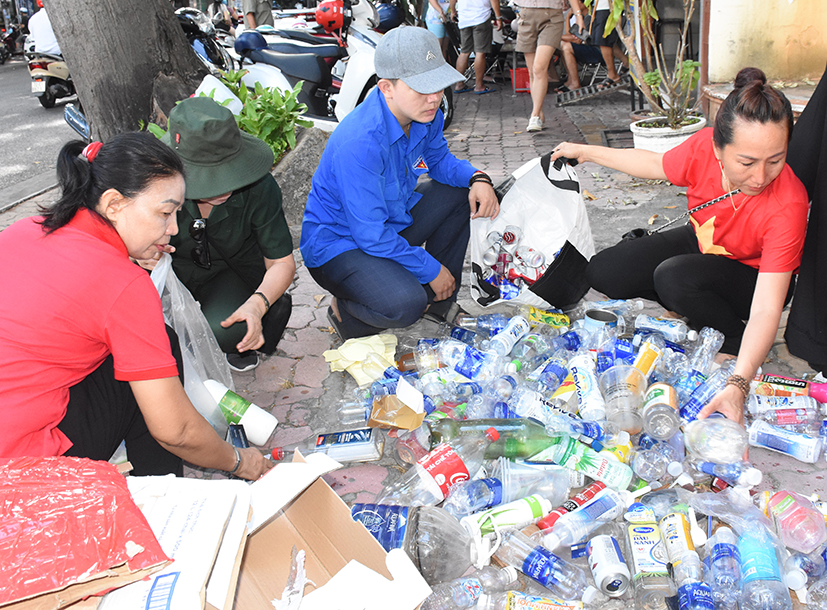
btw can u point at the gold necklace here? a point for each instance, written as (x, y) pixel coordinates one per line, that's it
(730, 191)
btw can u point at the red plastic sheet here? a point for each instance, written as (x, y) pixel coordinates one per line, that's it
(64, 520)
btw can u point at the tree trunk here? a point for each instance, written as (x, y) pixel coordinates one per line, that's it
(129, 59)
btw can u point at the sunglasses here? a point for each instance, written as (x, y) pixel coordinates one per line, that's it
(201, 252)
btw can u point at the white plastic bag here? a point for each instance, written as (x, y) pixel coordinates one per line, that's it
(202, 357)
(548, 205)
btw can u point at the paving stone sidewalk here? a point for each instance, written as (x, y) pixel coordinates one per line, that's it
(489, 130)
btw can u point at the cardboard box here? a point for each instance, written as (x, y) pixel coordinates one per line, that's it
(292, 506)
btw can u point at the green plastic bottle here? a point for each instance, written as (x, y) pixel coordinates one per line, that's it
(519, 437)
(571, 453)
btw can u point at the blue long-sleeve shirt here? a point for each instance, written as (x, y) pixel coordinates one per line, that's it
(363, 189)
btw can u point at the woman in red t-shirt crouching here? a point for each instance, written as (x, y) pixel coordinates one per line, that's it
(85, 359)
(736, 259)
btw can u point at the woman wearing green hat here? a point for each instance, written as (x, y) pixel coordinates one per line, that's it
(234, 251)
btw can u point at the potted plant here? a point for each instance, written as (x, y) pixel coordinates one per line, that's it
(668, 89)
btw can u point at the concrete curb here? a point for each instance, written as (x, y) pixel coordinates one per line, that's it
(28, 189)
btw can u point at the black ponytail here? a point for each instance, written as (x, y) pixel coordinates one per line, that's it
(128, 163)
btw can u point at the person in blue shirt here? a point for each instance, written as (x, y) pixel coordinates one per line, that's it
(368, 212)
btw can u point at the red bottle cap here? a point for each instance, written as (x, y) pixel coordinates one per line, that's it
(492, 434)
(277, 454)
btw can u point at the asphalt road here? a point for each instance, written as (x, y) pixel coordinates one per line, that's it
(30, 136)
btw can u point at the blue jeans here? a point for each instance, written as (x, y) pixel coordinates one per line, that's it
(378, 293)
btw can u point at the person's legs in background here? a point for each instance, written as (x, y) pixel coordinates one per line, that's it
(466, 48)
(483, 34)
(102, 412)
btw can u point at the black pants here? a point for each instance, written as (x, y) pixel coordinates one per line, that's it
(708, 289)
(223, 294)
(102, 412)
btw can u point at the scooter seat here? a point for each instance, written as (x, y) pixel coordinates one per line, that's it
(294, 48)
(303, 35)
(302, 66)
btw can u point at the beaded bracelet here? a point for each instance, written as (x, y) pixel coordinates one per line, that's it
(739, 382)
(237, 461)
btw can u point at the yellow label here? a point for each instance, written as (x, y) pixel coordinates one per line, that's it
(539, 316)
(674, 528)
(647, 358)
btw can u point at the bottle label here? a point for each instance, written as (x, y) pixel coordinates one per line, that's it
(624, 351)
(540, 566)
(584, 459)
(495, 486)
(758, 560)
(791, 417)
(517, 600)
(724, 550)
(695, 596)
(345, 439)
(592, 430)
(515, 514)
(471, 586)
(445, 467)
(783, 505)
(233, 407)
(556, 320)
(799, 446)
(572, 503)
(647, 550)
(777, 385)
(674, 528)
(385, 523)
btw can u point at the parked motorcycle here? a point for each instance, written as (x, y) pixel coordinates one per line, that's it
(50, 76)
(201, 34)
(337, 73)
(9, 41)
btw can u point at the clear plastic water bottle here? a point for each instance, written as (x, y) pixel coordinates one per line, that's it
(504, 341)
(660, 411)
(474, 495)
(435, 541)
(502, 387)
(487, 324)
(426, 357)
(705, 392)
(654, 463)
(740, 474)
(693, 592)
(724, 568)
(485, 406)
(802, 447)
(579, 523)
(700, 363)
(716, 439)
(550, 374)
(802, 569)
(606, 433)
(525, 402)
(673, 330)
(430, 479)
(465, 592)
(541, 565)
(761, 584)
(618, 306)
(590, 400)
(468, 361)
(466, 335)
(817, 595)
(801, 525)
(573, 454)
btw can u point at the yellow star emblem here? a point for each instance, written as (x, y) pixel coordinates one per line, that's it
(706, 237)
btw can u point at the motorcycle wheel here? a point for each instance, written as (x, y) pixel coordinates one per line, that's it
(446, 104)
(47, 100)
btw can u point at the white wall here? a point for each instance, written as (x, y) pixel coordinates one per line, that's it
(787, 39)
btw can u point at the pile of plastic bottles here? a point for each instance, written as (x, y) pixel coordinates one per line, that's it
(509, 263)
(563, 464)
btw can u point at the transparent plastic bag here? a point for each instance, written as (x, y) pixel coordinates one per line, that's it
(202, 357)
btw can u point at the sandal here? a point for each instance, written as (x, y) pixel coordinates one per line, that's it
(444, 313)
(484, 91)
(465, 90)
(334, 323)
(609, 83)
(562, 89)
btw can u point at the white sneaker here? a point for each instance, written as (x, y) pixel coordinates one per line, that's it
(534, 124)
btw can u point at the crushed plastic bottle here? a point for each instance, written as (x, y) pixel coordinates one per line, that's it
(465, 592)
(724, 568)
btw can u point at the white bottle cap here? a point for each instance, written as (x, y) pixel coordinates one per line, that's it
(796, 579)
(750, 478)
(590, 595)
(692, 335)
(512, 572)
(684, 479)
(675, 469)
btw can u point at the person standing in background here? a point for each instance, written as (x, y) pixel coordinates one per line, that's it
(539, 34)
(257, 12)
(474, 18)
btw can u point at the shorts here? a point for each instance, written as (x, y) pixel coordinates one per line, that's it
(587, 54)
(477, 38)
(600, 18)
(539, 27)
(437, 29)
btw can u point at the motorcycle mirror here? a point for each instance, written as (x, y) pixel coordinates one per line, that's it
(75, 119)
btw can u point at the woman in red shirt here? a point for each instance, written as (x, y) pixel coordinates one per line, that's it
(85, 360)
(736, 259)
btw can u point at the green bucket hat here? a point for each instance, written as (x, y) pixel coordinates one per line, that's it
(218, 156)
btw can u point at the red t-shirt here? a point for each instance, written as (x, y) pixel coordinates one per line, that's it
(767, 231)
(69, 299)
